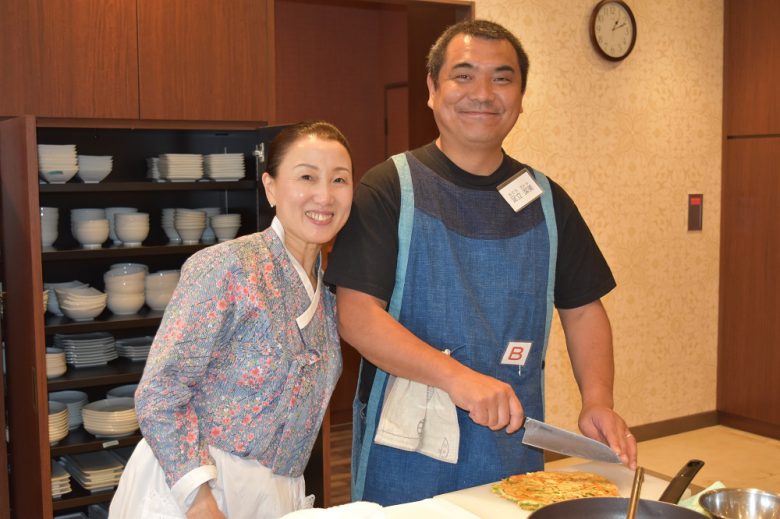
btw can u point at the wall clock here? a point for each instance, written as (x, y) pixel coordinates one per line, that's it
(613, 29)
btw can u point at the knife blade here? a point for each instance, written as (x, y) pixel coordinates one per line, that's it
(551, 438)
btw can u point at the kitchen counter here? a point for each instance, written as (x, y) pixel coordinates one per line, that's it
(480, 502)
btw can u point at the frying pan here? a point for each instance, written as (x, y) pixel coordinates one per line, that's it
(617, 507)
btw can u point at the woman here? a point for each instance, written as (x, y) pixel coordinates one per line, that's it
(247, 354)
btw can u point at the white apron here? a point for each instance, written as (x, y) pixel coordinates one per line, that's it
(243, 489)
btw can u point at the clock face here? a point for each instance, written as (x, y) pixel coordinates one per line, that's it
(613, 29)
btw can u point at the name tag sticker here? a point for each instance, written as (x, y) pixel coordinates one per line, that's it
(520, 190)
(516, 353)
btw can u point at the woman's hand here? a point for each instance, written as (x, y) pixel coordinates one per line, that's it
(204, 506)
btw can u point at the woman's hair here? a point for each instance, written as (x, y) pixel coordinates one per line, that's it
(282, 142)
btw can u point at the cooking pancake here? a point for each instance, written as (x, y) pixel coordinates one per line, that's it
(536, 489)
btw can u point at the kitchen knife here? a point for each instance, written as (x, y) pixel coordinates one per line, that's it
(551, 438)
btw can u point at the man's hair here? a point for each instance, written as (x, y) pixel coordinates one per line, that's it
(479, 29)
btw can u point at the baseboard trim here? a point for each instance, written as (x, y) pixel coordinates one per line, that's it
(660, 429)
(749, 425)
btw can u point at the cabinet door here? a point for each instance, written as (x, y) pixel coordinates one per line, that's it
(752, 67)
(205, 59)
(69, 58)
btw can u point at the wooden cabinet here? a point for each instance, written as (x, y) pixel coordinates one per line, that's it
(752, 63)
(69, 58)
(27, 266)
(207, 60)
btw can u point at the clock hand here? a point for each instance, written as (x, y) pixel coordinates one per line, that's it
(619, 26)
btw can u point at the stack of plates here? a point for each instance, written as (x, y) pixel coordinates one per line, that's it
(60, 480)
(224, 166)
(134, 348)
(99, 470)
(55, 362)
(181, 167)
(57, 163)
(126, 391)
(153, 168)
(87, 349)
(58, 421)
(110, 418)
(74, 400)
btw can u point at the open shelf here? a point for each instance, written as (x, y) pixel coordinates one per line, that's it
(121, 252)
(80, 497)
(79, 440)
(108, 187)
(104, 322)
(118, 371)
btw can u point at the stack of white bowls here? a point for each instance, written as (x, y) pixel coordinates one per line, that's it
(224, 166)
(55, 362)
(81, 304)
(189, 224)
(57, 163)
(168, 216)
(226, 226)
(74, 400)
(110, 417)
(53, 305)
(58, 421)
(49, 218)
(89, 227)
(111, 212)
(208, 232)
(125, 289)
(94, 168)
(131, 228)
(159, 288)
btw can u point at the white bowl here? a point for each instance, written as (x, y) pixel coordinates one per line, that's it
(58, 176)
(131, 236)
(163, 279)
(190, 235)
(111, 213)
(79, 314)
(91, 233)
(87, 213)
(126, 391)
(158, 299)
(226, 232)
(125, 304)
(92, 176)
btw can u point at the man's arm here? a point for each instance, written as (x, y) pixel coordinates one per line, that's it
(365, 324)
(589, 341)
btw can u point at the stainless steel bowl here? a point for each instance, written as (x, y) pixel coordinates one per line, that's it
(741, 503)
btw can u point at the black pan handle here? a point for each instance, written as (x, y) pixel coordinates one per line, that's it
(680, 482)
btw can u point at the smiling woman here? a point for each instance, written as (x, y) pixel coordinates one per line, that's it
(247, 355)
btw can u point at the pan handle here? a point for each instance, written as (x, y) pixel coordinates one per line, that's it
(680, 482)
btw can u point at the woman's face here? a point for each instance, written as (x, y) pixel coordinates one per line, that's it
(312, 191)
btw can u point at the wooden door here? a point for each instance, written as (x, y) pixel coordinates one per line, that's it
(25, 343)
(205, 60)
(427, 20)
(68, 58)
(752, 63)
(749, 352)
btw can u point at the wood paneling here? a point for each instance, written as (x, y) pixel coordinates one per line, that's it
(25, 351)
(749, 345)
(427, 20)
(205, 60)
(69, 58)
(752, 62)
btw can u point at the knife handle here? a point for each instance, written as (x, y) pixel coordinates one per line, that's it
(680, 482)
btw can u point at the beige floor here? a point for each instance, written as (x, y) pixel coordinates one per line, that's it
(735, 458)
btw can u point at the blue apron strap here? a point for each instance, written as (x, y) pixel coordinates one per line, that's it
(405, 221)
(552, 232)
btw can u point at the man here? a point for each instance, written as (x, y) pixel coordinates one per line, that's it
(447, 249)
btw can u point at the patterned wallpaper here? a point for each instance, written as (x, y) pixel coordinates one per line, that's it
(629, 141)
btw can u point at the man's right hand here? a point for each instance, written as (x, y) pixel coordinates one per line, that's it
(204, 506)
(489, 401)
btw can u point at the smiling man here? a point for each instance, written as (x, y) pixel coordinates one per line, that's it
(456, 247)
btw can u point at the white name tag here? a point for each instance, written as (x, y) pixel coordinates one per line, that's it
(520, 190)
(516, 353)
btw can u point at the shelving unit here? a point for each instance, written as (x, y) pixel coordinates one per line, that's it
(29, 267)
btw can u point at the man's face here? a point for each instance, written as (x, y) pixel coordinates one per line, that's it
(478, 98)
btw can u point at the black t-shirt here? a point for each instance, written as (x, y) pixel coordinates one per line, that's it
(365, 252)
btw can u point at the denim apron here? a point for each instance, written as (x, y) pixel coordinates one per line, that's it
(471, 276)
